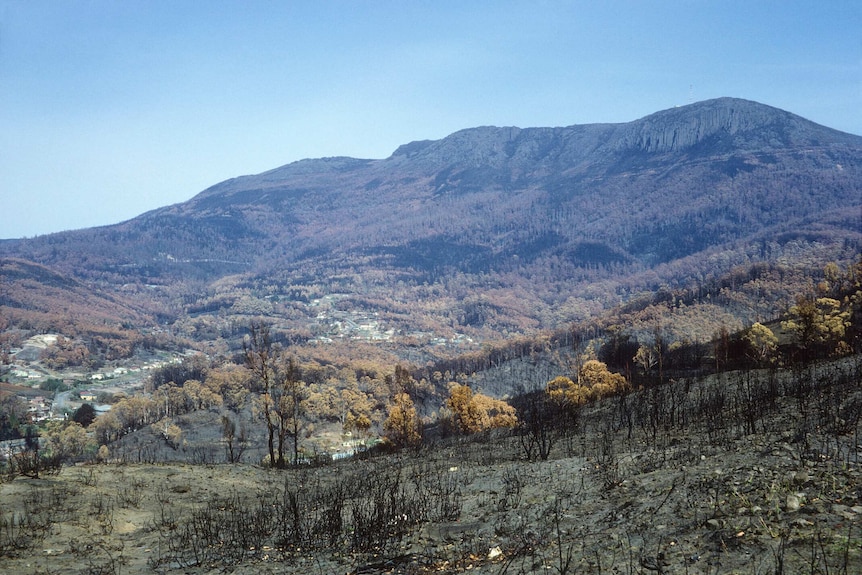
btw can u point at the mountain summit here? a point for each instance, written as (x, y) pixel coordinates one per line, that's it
(724, 125)
(678, 181)
(531, 213)
(735, 123)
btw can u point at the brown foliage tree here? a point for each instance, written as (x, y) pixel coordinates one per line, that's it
(601, 382)
(401, 428)
(475, 412)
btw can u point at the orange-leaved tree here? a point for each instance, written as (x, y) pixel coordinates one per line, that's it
(596, 381)
(601, 381)
(565, 391)
(474, 412)
(401, 428)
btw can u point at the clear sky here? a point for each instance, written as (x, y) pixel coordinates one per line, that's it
(112, 108)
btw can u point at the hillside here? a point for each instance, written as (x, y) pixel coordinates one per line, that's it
(96, 324)
(490, 232)
(743, 472)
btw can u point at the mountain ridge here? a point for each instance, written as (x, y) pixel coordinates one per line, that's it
(527, 218)
(703, 119)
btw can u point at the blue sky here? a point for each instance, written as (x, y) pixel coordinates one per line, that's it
(112, 108)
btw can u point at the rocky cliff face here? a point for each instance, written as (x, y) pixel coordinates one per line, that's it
(738, 124)
(733, 124)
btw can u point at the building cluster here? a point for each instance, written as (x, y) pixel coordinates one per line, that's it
(39, 408)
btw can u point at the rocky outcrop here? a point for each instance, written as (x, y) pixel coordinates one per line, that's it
(728, 122)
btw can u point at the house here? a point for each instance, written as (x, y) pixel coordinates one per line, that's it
(39, 408)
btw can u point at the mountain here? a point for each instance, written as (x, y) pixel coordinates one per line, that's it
(496, 230)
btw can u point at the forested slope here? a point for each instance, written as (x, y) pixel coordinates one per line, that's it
(492, 232)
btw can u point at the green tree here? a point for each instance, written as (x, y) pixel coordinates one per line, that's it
(761, 344)
(820, 326)
(84, 415)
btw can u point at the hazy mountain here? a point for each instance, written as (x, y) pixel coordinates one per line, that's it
(534, 212)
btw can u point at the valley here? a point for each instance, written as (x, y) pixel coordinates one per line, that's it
(615, 348)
